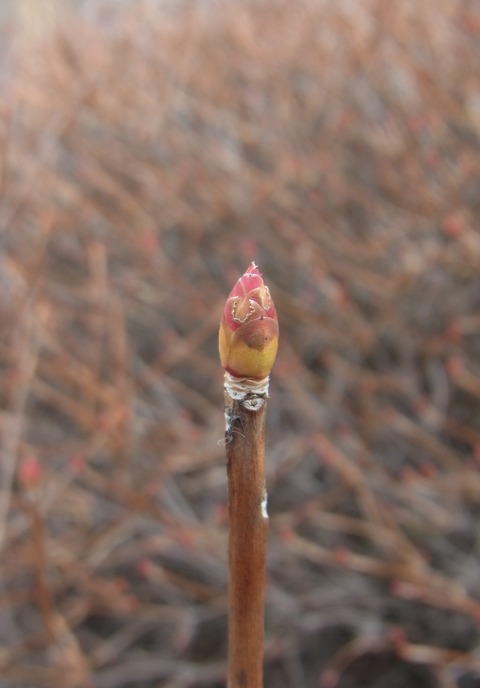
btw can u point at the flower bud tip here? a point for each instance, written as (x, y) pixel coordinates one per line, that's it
(248, 337)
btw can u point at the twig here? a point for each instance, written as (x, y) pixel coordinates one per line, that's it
(28, 350)
(248, 345)
(247, 498)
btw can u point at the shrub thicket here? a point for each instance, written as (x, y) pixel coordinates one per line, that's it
(148, 154)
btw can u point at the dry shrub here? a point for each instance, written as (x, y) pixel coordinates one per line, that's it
(148, 153)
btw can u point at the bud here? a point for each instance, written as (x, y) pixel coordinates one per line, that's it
(29, 472)
(248, 338)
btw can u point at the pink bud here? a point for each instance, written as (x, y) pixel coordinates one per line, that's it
(248, 338)
(29, 472)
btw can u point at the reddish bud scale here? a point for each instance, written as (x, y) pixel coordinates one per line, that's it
(248, 337)
(30, 472)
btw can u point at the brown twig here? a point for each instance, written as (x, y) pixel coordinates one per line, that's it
(245, 438)
(248, 341)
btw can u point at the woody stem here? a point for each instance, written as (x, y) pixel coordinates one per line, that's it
(245, 441)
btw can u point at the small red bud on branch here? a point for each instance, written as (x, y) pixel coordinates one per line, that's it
(248, 342)
(248, 338)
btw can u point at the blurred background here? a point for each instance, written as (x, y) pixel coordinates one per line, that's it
(149, 151)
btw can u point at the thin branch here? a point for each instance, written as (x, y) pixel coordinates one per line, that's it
(247, 497)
